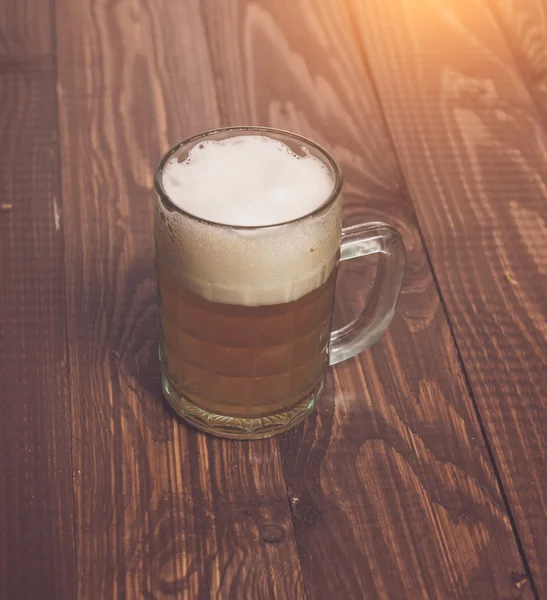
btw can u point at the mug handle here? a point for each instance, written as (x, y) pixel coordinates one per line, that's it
(368, 327)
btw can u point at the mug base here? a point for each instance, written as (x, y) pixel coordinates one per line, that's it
(240, 428)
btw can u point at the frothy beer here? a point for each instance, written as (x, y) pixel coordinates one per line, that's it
(247, 248)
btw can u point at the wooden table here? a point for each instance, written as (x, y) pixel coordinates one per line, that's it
(424, 473)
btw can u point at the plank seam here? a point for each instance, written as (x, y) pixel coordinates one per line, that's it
(61, 232)
(204, 22)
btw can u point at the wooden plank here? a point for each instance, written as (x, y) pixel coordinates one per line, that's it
(524, 23)
(25, 30)
(161, 510)
(473, 151)
(36, 521)
(392, 491)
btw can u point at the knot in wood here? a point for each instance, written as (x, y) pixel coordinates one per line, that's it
(271, 533)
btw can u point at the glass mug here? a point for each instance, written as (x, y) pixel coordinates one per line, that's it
(244, 354)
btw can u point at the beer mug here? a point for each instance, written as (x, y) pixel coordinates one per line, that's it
(248, 236)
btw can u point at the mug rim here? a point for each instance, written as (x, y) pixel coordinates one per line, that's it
(170, 205)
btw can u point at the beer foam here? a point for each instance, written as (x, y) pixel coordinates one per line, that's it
(252, 181)
(247, 181)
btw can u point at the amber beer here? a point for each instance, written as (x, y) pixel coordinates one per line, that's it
(245, 361)
(247, 232)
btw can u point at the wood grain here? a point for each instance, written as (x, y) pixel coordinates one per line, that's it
(36, 518)
(473, 151)
(391, 488)
(161, 511)
(25, 31)
(524, 23)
